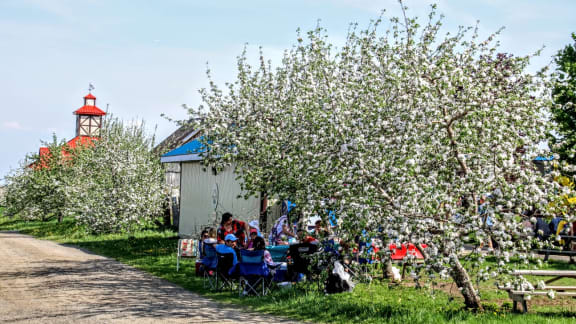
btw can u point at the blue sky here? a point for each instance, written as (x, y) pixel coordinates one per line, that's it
(149, 57)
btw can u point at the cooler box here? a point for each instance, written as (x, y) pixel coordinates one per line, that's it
(281, 273)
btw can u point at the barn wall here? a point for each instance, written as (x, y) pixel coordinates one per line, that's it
(204, 197)
(173, 180)
(172, 171)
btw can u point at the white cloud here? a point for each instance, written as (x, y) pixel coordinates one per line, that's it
(12, 125)
(61, 8)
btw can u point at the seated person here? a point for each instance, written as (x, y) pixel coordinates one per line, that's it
(203, 236)
(253, 235)
(542, 229)
(280, 233)
(254, 225)
(554, 223)
(211, 236)
(208, 238)
(320, 232)
(260, 244)
(304, 237)
(229, 246)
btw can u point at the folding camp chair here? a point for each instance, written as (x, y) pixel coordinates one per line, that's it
(299, 263)
(209, 266)
(187, 248)
(278, 252)
(224, 279)
(254, 274)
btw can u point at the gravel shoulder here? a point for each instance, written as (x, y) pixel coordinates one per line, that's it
(45, 282)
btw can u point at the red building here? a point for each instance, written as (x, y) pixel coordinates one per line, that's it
(88, 125)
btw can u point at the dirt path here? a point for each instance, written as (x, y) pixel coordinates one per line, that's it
(44, 282)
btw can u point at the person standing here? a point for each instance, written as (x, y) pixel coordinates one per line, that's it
(229, 225)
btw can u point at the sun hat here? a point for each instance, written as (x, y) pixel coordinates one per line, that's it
(230, 237)
(254, 224)
(253, 230)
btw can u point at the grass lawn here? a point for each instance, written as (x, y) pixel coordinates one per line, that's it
(155, 252)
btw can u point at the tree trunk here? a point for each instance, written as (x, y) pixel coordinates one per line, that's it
(462, 280)
(167, 213)
(387, 269)
(60, 217)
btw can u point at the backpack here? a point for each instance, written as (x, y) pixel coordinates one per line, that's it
(338, 281)
(334, 284)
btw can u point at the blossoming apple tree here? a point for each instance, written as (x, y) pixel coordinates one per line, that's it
(37, 190)
(120, 183)
(401, 132)
(112, 184)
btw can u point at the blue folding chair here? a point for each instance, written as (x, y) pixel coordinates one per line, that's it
(254, 273)
(209, 266)
(278, 252)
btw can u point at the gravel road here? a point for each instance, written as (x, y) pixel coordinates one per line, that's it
(45, 282)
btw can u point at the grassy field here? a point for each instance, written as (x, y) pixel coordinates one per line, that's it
(155, 252)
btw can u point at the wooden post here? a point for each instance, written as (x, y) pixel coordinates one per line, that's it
(524, 306)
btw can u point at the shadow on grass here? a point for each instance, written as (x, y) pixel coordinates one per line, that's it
(132, 248)
(42, 230)
(10, 222)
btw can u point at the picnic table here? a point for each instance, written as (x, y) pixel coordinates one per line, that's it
(569, 241)
(565, 251)
(520, 296)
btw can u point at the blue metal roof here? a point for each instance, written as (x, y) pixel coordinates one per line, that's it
(192, 147)
(544, 158)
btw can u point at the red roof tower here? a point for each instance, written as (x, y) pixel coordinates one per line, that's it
(89, 118)
(88, 125)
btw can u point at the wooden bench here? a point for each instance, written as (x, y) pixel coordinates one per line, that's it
(520, 296)
(548, 253)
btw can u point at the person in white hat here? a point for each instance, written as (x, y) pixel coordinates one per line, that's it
(255, 225)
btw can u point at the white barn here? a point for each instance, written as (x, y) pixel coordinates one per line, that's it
(204, 195)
